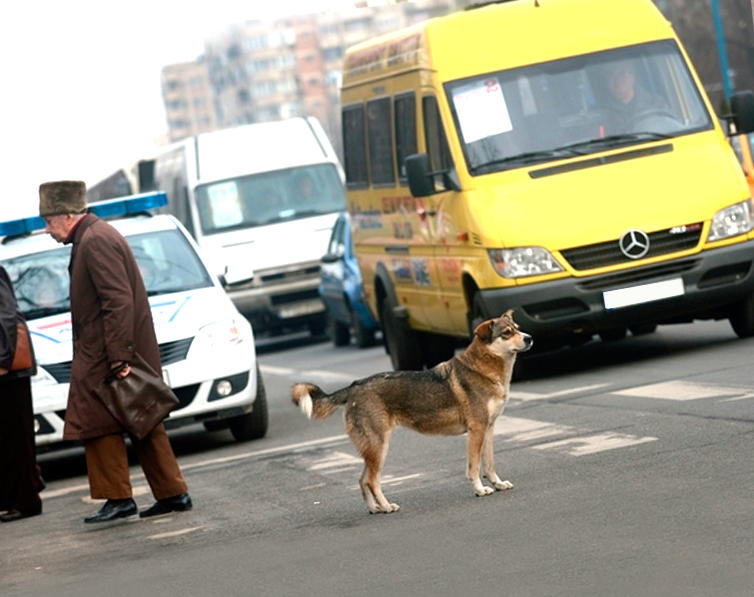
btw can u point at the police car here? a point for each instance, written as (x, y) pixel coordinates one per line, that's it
(206, 345)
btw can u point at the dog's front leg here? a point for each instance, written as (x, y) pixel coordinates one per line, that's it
(474, 443)
(488, 456)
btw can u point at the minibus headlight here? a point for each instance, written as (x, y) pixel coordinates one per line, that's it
(523, 261)
(732, 221)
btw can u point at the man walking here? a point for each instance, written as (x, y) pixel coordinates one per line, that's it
(111, 321)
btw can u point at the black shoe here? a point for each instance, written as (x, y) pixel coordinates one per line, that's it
(12, 515)
(178, 503)
(114, 509)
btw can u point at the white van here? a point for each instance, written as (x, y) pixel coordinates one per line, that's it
(206, 345)
(260, 200)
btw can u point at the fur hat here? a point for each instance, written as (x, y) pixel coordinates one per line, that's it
(62, 197)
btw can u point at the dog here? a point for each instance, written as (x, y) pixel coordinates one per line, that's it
(463, 395)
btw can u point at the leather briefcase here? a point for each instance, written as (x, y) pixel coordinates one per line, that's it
(139, 401)
(22, 359)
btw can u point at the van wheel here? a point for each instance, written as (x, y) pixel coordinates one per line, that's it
(742, 318)
(401, 342)
(477, 314)
(254, 424)
(644, 328)
(341, 334)
(364, 337)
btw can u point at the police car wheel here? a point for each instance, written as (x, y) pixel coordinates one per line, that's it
(253, 425)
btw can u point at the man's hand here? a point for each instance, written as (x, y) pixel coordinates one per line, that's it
(120, 368)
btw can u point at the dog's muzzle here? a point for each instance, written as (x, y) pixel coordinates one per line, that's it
(528, 341)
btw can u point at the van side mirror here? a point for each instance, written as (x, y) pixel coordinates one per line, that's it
(742, 111)
(421, 182)
(237, 273)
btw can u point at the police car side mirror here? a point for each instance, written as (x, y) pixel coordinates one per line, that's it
(420, 176)
(742, 111)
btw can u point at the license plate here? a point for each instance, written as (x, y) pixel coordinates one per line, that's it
(646, 293)
(300, 309)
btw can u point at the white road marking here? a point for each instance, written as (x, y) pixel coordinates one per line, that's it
(527, 396)
(170, 534)
(684, 390)
(312, 374)
(518, 430)
(339, 460)
(581, 446)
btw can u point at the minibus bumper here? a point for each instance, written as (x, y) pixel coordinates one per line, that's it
(710, 283)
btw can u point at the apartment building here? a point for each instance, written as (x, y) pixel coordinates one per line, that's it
(188, 100)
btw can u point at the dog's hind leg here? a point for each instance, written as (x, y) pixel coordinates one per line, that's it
(374, 455)
(488, 460)
(474, 445)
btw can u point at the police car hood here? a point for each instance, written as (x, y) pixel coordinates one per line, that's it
(176, 316)
(600, 203)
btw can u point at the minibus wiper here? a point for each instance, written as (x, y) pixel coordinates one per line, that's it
(613, 141)
(532, 157)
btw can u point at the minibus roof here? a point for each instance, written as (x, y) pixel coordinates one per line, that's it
(499, 36)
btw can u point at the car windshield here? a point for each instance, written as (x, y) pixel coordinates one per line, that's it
(270, 197)
(575, 106)
(166, 260)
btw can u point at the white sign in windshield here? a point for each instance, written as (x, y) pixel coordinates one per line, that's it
(226, 209)
(481, 110)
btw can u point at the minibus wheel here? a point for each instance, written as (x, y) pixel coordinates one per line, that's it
(402, 343)
(742, 318)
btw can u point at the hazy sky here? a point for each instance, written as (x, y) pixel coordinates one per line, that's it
(81, 81)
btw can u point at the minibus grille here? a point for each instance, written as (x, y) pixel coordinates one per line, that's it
(605, 254)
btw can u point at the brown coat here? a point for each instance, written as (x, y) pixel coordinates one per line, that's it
(111, 320)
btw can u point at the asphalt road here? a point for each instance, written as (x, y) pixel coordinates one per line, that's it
(631, 462)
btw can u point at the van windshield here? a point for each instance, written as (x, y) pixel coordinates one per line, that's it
(166, 260)
(270, 197)
(575, 106)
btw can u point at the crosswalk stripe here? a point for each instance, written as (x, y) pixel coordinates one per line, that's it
(684, 390)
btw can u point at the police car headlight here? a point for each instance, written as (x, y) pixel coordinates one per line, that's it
(523, 261)
(732, 221)
(216, 336)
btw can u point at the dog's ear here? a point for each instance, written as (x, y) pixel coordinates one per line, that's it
(484, 330)
(509, 313)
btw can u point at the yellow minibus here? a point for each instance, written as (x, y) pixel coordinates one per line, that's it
(559, 157)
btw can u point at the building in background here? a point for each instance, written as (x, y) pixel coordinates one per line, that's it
(188, 100)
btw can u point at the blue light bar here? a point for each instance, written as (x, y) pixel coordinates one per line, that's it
(113, 207)
(22, 226)
(129, 205)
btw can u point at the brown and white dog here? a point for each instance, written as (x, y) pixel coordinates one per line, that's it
(465, 394)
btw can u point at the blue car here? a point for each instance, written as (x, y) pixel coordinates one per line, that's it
(342, 291)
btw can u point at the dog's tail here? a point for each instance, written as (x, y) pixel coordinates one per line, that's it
(314, 402)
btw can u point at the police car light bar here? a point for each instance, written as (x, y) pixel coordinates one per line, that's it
(104, 209)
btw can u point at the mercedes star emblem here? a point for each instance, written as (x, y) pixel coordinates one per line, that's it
(634, 244)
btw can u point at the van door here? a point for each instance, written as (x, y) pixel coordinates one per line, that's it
(445, 306)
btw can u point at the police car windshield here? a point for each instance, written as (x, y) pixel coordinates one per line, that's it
(270, 197)
(576, 106)
(166, 260)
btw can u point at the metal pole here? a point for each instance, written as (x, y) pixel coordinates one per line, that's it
(721, 47)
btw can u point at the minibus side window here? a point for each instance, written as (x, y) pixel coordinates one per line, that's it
(380, 136)
(354, 147)
(405, 131)
(434, 134)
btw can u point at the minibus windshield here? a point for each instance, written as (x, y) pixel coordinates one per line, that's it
(270, 197)
(575, 106)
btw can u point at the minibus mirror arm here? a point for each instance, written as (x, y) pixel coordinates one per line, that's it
(421, 178)
(742, 113)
